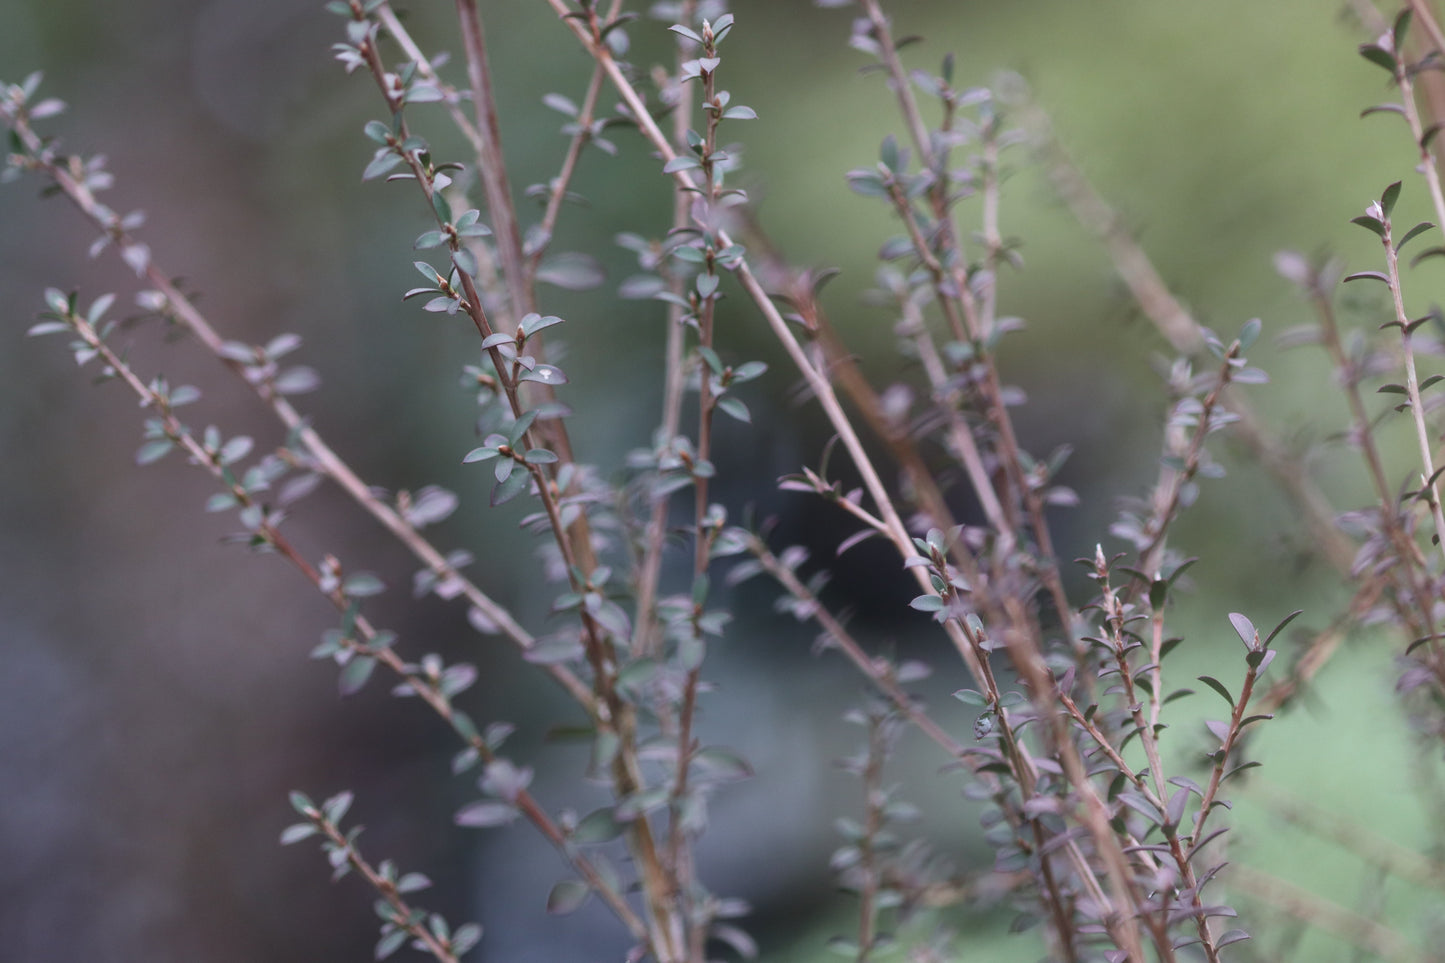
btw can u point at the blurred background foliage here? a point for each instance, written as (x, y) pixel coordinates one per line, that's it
(155, 698)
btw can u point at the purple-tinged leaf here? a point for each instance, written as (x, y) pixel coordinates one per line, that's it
(1280, 627)
(1375, 275)
(1388, 199)
(486, 814)
(1372, 224)
(1412, 233)
(1219, 687)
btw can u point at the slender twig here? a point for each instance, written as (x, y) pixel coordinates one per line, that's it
(557, 189)
(965, 642)
(576, 551)
(183, 310)
(968, 320)
(1428, 167)
(702, 534)
(491, 165)
(1429, 482)
(402, 915)
(1115, 617)
(1187, 337)
(368, 645)
(645, 640)
(393, 26)
(869, 871)
(1175, 477)
(877, 671)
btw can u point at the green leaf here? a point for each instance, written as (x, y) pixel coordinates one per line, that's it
(297, 832)
(572, 272)
(682, 162)
(533, 323)
(735, 408)
(567, 896)
(1250, 332)
(553, 650)
(355, 673)
(545, 374)
(57, 301)
(465, 261)
(888, 153)
(441, 207)
(334, 808)
(510, 487)
(598, 826)
(682, 31)
(465, 938)
(561, 104)
(747, 371)
(361, 585)
(153, 451)
(390, 943)
(412, 882)
(384, 161)
(926, 603)
(480, 454)
(520, 426)
(722, 765)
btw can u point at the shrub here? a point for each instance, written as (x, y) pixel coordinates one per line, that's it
(1108, 836)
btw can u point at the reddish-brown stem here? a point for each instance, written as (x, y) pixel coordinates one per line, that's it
(645, 638)
(267, 531)
(491, 165)
(1186, 336)
(403, 914)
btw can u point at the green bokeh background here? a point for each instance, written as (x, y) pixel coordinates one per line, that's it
(155, 699)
